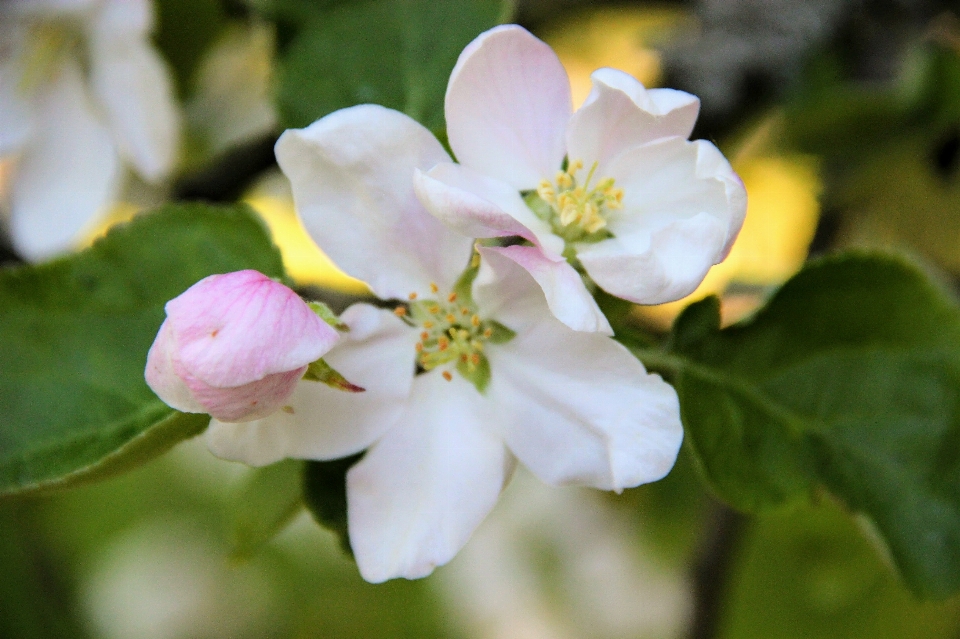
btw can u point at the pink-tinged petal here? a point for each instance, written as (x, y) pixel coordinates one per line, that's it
(682, 209)
(567, 297)
(240, 327)
(134, 88)
(377, 354)
(620, 113)
(479, 206)
(161, 375)
(44, 8)
(507, 107)
(246, 402)
(67, 175)
(577, 408)
(352, 177)
(419, 493)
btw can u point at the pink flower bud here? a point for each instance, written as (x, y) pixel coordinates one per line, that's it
(235, 346)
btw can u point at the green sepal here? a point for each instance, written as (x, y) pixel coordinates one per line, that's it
(501, 334)
(463, 287)
(321, 371)
(479, 376)
(327, 315)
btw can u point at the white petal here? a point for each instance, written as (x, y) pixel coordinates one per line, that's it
(68, 174)
(133, 86)
(620, 113)
(161, 375)
(352, 177)
(568, 298)
(663, 266)
(507, 107)
(120, 18)
(479, 206)
(418, 494)
(682, 209)
(578, 408)
(15, 106)
(377, 354)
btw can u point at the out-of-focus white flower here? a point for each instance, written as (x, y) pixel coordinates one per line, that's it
(615, 189)
(460, 382)
(235, 346)
(82, 92)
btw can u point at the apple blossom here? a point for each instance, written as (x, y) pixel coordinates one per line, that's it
(235, 346)
(469, 372)
(82, 92)
(615, 188)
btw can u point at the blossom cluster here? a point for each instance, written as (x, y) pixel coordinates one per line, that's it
(487, 347)
(82, 93)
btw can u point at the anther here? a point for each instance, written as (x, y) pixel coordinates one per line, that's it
(447, 376)
(434, 288)
(424, 335)
(400, 311)
(443, 343)
(428, 324)
(412, 296)
(434, 310)
(488, 333)
(452, 297)
(451, 318)
(475, 359)
(475, 320)
(464, 311)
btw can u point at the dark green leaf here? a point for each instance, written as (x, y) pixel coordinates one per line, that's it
(269, 501)
(848, 380)
(74, 336)
(325, 493)
(397, 53)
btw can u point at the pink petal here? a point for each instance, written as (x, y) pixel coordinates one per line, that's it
(246, 402)
(240, 327)
(161, 375)
(507, 107)
(377, 353)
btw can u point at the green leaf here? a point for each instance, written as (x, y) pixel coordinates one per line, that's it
(321, 371)
(849, 381)
(325, 494)
(74, 336)
(397, 53)
(269, 501)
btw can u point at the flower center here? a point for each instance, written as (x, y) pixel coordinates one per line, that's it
(575, 211)
(452, 335)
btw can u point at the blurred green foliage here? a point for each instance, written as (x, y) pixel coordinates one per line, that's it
(396, 53)
(74, 336)
(848, 378)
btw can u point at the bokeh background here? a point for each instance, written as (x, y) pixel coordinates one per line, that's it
(843, 119)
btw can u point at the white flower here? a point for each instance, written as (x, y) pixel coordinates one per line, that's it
(499, 377)
(81, 90)
(642, 210)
